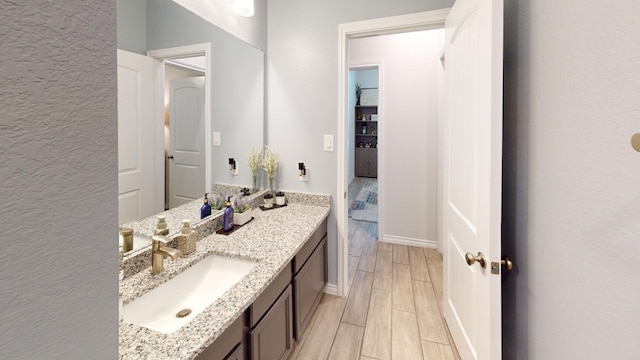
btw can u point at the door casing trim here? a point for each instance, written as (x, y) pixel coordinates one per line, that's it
(384, 26)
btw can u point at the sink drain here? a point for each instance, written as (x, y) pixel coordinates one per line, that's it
(183, 313)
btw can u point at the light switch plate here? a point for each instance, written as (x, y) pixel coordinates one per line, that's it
(328, 143)
(216, 138)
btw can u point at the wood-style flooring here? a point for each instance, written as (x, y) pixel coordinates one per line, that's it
(393, 309)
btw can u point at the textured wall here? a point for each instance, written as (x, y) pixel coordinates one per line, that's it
(572, 180)
(58, 263)
(302, 81)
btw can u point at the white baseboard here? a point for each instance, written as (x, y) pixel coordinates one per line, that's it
(331, 289)
(409, 241)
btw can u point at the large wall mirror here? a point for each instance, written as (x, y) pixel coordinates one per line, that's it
(190, 97)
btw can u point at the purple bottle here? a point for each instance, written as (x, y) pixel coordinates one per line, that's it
(228, 216)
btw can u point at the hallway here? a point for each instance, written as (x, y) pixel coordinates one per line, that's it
(394, 306)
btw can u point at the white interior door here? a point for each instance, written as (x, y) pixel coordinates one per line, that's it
(473, 175)
(135, 140)
(186, 140)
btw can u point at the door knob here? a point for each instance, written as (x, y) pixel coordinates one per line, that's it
(471, 259)
(507, 263)
(635, 142)
(170, 157)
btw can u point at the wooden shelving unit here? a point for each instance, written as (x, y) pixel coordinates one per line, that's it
(366, 141)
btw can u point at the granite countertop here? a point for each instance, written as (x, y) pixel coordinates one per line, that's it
(271, 239)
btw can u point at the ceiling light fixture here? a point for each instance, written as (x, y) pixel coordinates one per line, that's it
(243, 7)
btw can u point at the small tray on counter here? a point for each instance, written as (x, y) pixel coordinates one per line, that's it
(235, 227)
(271, 208)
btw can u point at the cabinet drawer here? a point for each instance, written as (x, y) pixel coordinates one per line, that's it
(306, 250)
(272, 338)
(226, 343)
(307, 288)
(269, 295)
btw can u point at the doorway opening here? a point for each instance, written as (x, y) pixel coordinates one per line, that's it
(470, 167)
(395, 134)
(363, 139)
(182, 100)
(184, 109)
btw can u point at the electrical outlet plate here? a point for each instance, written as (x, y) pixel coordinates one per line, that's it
(216, 138)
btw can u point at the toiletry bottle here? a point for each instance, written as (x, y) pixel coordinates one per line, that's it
(162, 228)
(205, 210)
(186, 239)
(228, 216)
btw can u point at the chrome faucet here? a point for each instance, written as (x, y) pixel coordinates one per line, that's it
(159, 250)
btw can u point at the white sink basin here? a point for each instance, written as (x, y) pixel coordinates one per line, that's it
(194, 289)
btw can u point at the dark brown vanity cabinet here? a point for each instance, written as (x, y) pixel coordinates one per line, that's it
(266, 330)
(237, 353)
(309, 278)
(272, 337)
(271, 320)
(229, 345)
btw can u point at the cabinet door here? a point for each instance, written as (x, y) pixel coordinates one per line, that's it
(373, 163)
(236, 354)
(307, 288)
(362, 162)
(269, 296)
(272, 337)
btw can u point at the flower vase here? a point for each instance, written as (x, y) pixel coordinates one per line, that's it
(255, 185)
(271, 186)
(242, 218)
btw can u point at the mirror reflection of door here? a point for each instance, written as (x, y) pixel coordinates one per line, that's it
(135, 141)
(184, 135)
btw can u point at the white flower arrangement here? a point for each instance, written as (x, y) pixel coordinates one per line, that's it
(254, 159)
(270, 164)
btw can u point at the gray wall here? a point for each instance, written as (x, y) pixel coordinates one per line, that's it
(302, 78)
(59, 293)
(572, 180)
(132, 25)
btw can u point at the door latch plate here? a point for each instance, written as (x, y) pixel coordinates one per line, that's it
(495, 267)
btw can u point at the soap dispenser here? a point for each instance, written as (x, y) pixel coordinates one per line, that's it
(205, 210)
(187, 238)
(228, 216)
(162, 228)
